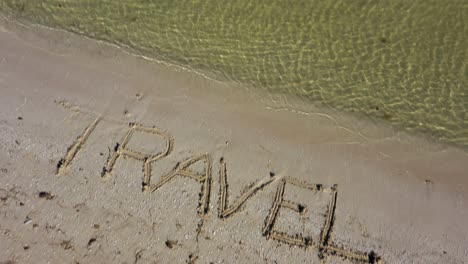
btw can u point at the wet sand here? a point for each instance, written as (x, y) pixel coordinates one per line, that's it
(108, 158)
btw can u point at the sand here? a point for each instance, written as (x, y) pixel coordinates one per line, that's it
(109, 158)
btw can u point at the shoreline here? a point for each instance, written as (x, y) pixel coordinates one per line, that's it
(388, 183)
(291, 102)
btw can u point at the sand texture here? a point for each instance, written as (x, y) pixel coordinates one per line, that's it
(108, 158)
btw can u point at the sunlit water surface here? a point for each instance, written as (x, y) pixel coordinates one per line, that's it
(402, 61)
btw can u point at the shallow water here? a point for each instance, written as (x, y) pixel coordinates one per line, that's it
(403, 61)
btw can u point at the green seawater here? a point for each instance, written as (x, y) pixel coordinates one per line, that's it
(400, 60)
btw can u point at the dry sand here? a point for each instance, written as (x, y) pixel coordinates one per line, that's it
(107, 158)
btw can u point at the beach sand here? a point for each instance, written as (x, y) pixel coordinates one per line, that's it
(109, 158)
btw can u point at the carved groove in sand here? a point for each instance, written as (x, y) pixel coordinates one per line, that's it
(224, 211)
(121, 150)
(183, 169)
(65, 162)
(324, 246)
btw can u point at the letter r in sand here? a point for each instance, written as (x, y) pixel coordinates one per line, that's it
(121, 149)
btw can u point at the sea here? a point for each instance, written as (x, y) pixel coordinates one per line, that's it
(399, 61)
